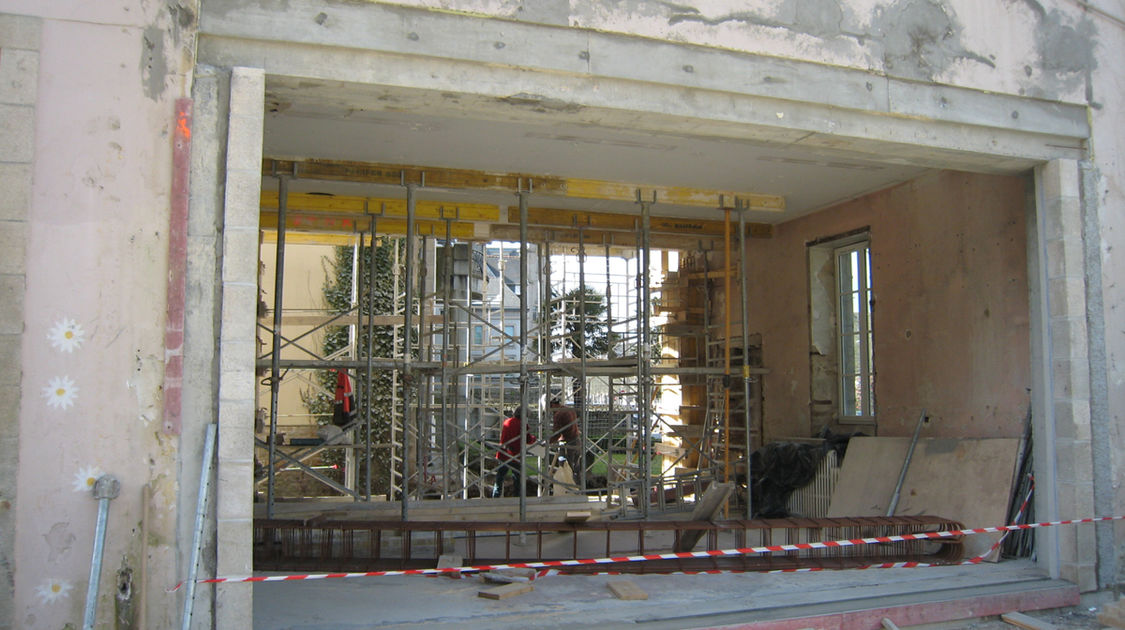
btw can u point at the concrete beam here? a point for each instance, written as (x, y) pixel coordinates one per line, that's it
(594, 78)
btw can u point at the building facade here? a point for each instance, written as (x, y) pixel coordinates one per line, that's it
(132, 135)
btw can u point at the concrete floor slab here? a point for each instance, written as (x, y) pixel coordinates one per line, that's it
(828, 599)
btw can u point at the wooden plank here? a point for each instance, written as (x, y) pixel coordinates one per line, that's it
(449, 561)
(706, 508)
(577, 517)
(1021, 620)
(1112, 617)
(967, 480)
(506, 591)
(624, 589)
(508, 576)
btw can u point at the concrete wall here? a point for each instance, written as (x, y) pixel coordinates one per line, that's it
(87, 123)
(949, 272)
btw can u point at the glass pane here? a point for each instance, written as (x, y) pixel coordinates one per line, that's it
(848, 404)
(867, 264)
(855, 366)
(846, 271)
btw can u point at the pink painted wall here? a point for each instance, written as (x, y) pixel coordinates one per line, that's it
(949, 272)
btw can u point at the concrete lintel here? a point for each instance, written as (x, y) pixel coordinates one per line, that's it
(577, 52)
(439, 87)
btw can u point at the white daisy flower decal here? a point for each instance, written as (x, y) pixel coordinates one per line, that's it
(53, 590)
(85, 478)
(67, 335)
(61, 392)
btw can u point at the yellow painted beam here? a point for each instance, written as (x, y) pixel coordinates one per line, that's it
(578, 188)
(341, 204)
(596, 238)
(674, 195)
(310, 238)
(395, 174)
(631, 223)
(338, 224)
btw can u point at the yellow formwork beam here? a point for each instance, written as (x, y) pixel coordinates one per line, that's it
(672, 195)
(306, 222)
(383, 207)
(609, 221)
(452, 178)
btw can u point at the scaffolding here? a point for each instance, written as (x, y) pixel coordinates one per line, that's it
(471, 338)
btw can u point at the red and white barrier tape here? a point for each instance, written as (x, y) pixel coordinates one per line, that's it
(832, 544)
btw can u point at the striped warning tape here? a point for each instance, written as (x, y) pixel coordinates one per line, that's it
(544, 564)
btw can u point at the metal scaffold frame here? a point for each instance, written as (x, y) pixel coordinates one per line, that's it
(448, 386)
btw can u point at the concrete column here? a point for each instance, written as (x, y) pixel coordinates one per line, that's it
(237, 347)
(19, 77)
(211, 100)
(1063, 424)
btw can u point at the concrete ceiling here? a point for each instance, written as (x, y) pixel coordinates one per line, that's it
(350, 122)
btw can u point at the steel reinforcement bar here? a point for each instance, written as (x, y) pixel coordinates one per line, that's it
(347, 545)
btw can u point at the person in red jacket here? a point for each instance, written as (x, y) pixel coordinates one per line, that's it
(509, 453)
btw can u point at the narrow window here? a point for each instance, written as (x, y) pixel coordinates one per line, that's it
(854, 330)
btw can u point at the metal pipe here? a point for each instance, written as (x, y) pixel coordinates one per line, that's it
(446, 284)
(197, 532)
(644, 341)
(726, 348)
(582, 366)
(369, 368)
(745, 349)
(609, 323)
(407, 349)
(906, 465)
(523, 354)
(275, 368)
(105, 489)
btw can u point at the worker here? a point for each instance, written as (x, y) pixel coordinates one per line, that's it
(564, 428)
(509, 453)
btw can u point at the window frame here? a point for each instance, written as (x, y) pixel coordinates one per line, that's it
(855, 375)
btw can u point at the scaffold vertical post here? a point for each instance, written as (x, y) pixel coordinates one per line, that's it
(275, 354)
(523, 194)
(584, 349)
(741, 207)
(407, 350)
(644, 360)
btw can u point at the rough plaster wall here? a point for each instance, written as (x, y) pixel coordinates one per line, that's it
(97, 255)
(950, 282)
(1105, 198)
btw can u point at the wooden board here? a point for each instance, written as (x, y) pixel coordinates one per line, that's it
(706, 508)
(624, 589)
(968, 480)
(506, 591)
(1021, 620)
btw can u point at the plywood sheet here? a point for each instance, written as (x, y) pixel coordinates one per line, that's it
(968, 480)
